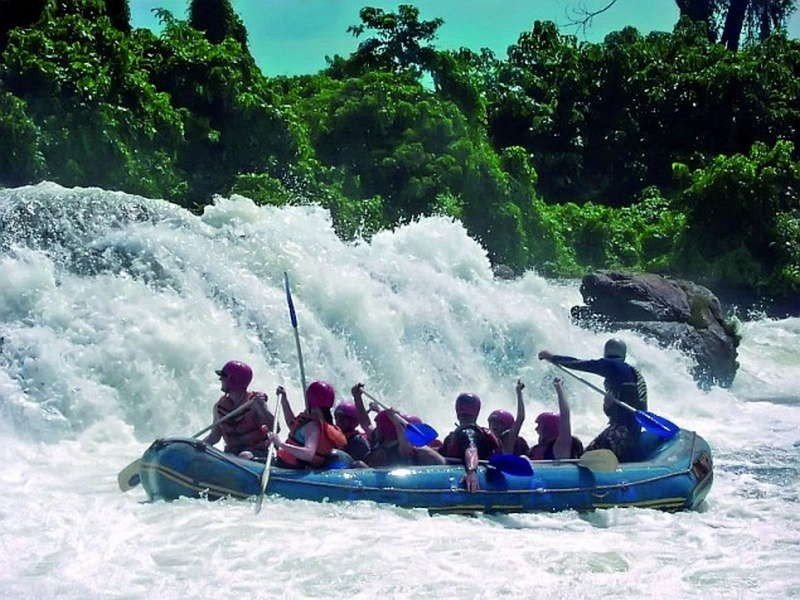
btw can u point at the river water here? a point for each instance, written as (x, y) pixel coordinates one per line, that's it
(115, 310)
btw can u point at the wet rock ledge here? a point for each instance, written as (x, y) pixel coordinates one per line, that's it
(672, 312)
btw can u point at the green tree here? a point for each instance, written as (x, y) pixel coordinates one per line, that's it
(457, 77)
(119, 12)
(399, 43)
(729, 21)
(741, 212)
(700, 11)
(18, 13)
(91, 112)
(21, 159)
(391, 137)
(603, 121)
(217, 20)
(236, 123)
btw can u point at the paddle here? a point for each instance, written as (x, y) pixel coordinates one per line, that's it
(417, 434)
(270, 453)
(601, 460)
(293, 318)
(129, 478)
(511, 464)
(653, 423)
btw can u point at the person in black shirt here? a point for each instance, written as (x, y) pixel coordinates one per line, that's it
(469, 442)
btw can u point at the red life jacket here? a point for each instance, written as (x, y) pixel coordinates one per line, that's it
(330, 437)
(242, 432)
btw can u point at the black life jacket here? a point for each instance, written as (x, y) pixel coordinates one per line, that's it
(545, 451)
(457, 442)
(634, 392)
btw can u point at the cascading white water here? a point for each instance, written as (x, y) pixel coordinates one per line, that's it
(115, 310)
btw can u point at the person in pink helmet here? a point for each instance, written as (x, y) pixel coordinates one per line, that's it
(506, 427)
(414, 455)
(346, 417)
(246, 434)
(555, 432)
(469, 442)
(385, 442)
(388, 444)
(312, 435)
(391, 448)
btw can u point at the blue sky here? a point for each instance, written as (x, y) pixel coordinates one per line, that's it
(289, 37)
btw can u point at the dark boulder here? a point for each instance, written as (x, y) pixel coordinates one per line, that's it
(672, 312)
(501, 271)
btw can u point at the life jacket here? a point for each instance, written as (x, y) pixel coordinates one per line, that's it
(330, 437)
(456, 442)
(545, 451)
(354, 435)
(242, 432)
(634, 392)
(521, 447)
(357, 445)
(387, 454)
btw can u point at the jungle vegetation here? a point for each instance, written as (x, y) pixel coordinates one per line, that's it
(673, 152)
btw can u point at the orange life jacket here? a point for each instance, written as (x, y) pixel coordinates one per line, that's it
(242, 432)
(330, 437)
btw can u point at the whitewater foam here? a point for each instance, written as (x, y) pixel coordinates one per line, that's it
(115, 310)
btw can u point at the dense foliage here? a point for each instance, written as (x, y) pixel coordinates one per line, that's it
(666, 152)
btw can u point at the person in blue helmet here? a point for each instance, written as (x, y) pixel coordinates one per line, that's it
(622, 382)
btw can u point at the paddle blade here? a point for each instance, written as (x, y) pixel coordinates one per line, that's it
(292, 314)
(657, 425)
(259, 502)
(511, 464)
(128, 478)
(264, 478)
(420, 434)
(602, 460)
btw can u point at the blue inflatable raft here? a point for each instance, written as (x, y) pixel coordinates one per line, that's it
(674, 474)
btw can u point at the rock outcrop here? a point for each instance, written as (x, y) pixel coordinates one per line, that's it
(672, 312)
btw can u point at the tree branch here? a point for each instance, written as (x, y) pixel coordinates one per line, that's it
(582, 17)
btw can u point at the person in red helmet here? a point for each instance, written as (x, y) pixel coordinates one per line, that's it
(388, 444)
(413, 455)
(469, 442)
(312, 435)
(555, 432)
(346, 417)
(246, 434)
(384, 441)
(506, 427)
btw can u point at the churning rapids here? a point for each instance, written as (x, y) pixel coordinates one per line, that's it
(115, 310)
